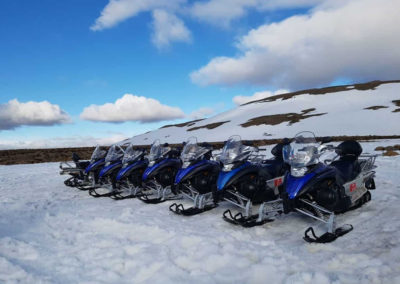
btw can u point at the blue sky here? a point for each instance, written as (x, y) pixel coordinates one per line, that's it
(54, 51)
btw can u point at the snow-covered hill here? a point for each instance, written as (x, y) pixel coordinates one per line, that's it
(354, 110)
(50, 233)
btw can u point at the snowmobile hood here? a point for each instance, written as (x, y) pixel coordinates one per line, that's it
(295, 184)
(128, 168)
(105, 170)
(225, 177)
(94, 165)
(182, 173)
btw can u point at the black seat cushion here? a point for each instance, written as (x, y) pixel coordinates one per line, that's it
(272, 168)
(347, 168)
(82, 165)
(277, 149)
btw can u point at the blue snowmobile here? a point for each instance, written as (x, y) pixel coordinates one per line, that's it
(320, 190)
(196, 179)
(84, 175)
(129, 178)
(107, 175)
(158, 178)
(247, 181)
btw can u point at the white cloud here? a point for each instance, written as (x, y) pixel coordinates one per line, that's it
(357, 39)
(14, 114)
(239, 100)
(60, 142)
(167, 28)
(117, 11)
(202, 113)
(131, 108)
(222, 12)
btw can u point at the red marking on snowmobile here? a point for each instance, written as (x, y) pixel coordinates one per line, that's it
(278, 182)
(353, 187)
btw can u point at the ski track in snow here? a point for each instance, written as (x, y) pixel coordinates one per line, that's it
(50, 233)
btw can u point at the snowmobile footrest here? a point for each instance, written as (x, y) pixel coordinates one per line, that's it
(247, 222)
(327, 237)
(180, 210)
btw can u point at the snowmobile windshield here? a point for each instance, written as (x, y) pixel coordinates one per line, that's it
(131, 154)
(157, 151)
(98, 153)
(192, 151)
(303, 151)
(235, 151)
(114, 153)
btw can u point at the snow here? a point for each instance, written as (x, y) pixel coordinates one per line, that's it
(50, 233)
(345, 115)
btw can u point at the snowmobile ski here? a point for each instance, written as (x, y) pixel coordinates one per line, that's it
(326, 237)
(94, 193)
(180, 210)
(147, 198)
(247, 222)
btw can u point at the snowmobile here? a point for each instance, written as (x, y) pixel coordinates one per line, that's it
(197, 178)
(129, 177)
(158, 178)
(84, 174)
(107, 175)
(320, 190)
(246, 180)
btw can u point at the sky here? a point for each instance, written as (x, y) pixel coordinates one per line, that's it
(83, 72)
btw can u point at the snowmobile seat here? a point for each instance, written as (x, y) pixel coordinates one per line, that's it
(348, 166)
(82, 164)
(271, 168)
(347, 169)
(276, 151)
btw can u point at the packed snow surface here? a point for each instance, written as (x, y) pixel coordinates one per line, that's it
(50, 233)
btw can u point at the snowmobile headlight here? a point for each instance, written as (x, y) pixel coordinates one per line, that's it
(298, 172)
(227, 167)
(185, 164)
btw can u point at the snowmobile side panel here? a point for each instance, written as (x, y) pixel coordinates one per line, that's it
(227, 178)
(125, 171)
(94, 165)
(151, 171)
(107, 169)
(188, 172)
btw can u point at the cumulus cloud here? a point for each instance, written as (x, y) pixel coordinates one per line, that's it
(357, 39)
(14, 114)
(117, 11)
(131, 108)
(168, 28)
(239, 100)
(223, 12)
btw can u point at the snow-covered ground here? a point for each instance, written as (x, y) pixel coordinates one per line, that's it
(50, 233)
(331, 114)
